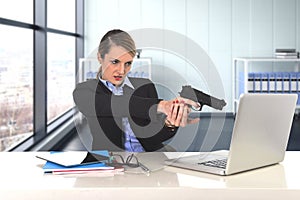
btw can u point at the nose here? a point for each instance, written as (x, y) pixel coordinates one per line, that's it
(121, 68)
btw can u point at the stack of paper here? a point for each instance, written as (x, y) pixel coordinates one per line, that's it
(286, 53)
(51, 167)
(78, 162)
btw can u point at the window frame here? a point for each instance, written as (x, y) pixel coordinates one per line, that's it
(40, 127)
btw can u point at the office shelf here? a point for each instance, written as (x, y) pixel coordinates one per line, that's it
(265, 75)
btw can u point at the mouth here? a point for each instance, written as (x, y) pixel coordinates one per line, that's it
(118, 78)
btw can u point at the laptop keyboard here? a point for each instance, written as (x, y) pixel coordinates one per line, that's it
(219, 163)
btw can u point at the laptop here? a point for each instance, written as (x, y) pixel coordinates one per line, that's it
(260, 135)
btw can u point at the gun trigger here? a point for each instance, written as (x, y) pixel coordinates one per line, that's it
(197, 109)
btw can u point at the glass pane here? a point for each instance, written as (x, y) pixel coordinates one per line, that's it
(61, 14)
(16, 85)
(60, 74)
(19, 10)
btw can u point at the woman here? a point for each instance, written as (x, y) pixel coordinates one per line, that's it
(125, 113)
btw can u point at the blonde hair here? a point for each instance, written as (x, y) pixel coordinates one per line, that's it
(115, 37)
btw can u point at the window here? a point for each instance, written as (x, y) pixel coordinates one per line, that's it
(19, 10)
(61, 15)
(60, 74)
(16, 85)
(37, 67)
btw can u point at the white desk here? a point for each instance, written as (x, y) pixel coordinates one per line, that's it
(21, 177)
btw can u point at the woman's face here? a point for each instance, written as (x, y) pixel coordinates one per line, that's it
(115, 65)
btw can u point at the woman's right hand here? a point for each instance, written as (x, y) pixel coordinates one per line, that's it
(177, 111)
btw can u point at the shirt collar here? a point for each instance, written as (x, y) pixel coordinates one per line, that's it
(125, 82)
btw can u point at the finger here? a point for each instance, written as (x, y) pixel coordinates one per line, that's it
(170, 111)
(179, 114)
(184, 119)
(188, 109)
(191, 102)
(170, 116)
(193, 121)
(171, 107)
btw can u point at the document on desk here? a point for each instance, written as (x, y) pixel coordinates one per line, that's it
(75, 158)
(78, 162)
(51, 167)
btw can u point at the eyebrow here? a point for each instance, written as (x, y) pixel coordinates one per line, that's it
(115, 59)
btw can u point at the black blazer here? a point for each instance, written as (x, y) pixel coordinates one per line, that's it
(104, 112)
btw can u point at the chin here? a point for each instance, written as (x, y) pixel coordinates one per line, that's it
(117, 83)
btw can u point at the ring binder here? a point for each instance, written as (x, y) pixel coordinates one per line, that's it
(272, 82)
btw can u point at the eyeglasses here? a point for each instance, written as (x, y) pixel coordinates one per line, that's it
(117, 160)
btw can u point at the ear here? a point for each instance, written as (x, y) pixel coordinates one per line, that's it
(99, 58)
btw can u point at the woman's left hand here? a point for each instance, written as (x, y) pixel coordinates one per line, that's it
(179, 111)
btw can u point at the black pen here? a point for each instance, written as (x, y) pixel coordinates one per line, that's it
(146, 169)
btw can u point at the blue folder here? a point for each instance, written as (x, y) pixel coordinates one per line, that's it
(277, 82)
(51, 166)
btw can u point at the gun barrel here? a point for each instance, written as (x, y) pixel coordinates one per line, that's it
(204, 99)
(217, 103)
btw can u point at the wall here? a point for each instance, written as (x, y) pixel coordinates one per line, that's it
(223, 28)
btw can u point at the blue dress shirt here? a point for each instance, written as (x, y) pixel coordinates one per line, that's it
(131, 142)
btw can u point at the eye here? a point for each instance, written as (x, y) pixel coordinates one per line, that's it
(115, 61)
(128, 64)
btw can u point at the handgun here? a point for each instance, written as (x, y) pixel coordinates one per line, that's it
(204, 99)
